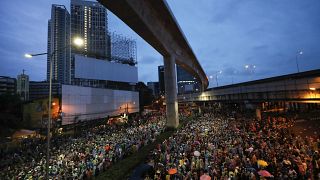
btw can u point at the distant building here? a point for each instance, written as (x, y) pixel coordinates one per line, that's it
(40, 90)
(7, 85)
(145, 95)
(59, 42)
(89, 21)
(161, 80)
(23, 86)
(186, 82)
(35, 113)
(123, 50)
(154, 86)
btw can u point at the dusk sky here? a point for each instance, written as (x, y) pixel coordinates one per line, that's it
(225, 35)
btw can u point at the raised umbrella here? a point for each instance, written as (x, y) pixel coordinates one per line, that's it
(250, 149)
(251, 169)
(196, 153)
(205, 177)
(172, 171)
(196, 142)
(287, 162)
(262, 163)
(264, 173)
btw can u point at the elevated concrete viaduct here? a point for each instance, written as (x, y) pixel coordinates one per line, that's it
(155, 23)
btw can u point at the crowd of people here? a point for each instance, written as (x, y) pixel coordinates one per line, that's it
(81, 157)
(215, 146)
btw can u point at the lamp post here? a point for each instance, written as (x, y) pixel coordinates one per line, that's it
(251, 69)
(216, 75)
(298, 53)
(77, 42)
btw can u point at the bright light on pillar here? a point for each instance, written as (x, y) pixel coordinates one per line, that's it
(312, 89)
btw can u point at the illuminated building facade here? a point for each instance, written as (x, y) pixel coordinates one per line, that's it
(89, 21)
(186, 82)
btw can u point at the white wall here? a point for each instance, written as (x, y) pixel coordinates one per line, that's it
(86, 103)
(90, 68)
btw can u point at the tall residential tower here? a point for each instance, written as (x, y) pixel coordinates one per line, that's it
(59, 45)
(89, 21)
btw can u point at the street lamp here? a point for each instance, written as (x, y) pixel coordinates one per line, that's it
(298, 53)
(216, 75)
(77, 42)
(250, 68)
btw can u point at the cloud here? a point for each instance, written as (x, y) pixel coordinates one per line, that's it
(224, 35)
(148, 60)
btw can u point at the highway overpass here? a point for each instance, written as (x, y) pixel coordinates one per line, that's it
(287, 91)
(298, 87)
(155, 23)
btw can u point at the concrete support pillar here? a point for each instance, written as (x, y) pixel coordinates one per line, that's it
(171, 92)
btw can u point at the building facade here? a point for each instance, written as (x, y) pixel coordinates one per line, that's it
(40, 90)
(186, 82)
(7, 85)
(23, 86)
(59, 45)
(161, 80)
(154, 86)
(89, 21)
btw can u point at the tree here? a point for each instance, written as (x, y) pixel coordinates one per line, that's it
(10, 111)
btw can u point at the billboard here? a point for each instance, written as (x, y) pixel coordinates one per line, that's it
(91, 68)
(87, 103)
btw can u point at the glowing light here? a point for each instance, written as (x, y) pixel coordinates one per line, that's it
(78, 41)
(312, 89)
(27, 55)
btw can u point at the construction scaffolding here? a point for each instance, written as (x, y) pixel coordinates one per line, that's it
(123, 50)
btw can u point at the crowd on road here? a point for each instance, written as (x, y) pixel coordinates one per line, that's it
(82, 157)
(215, 146)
